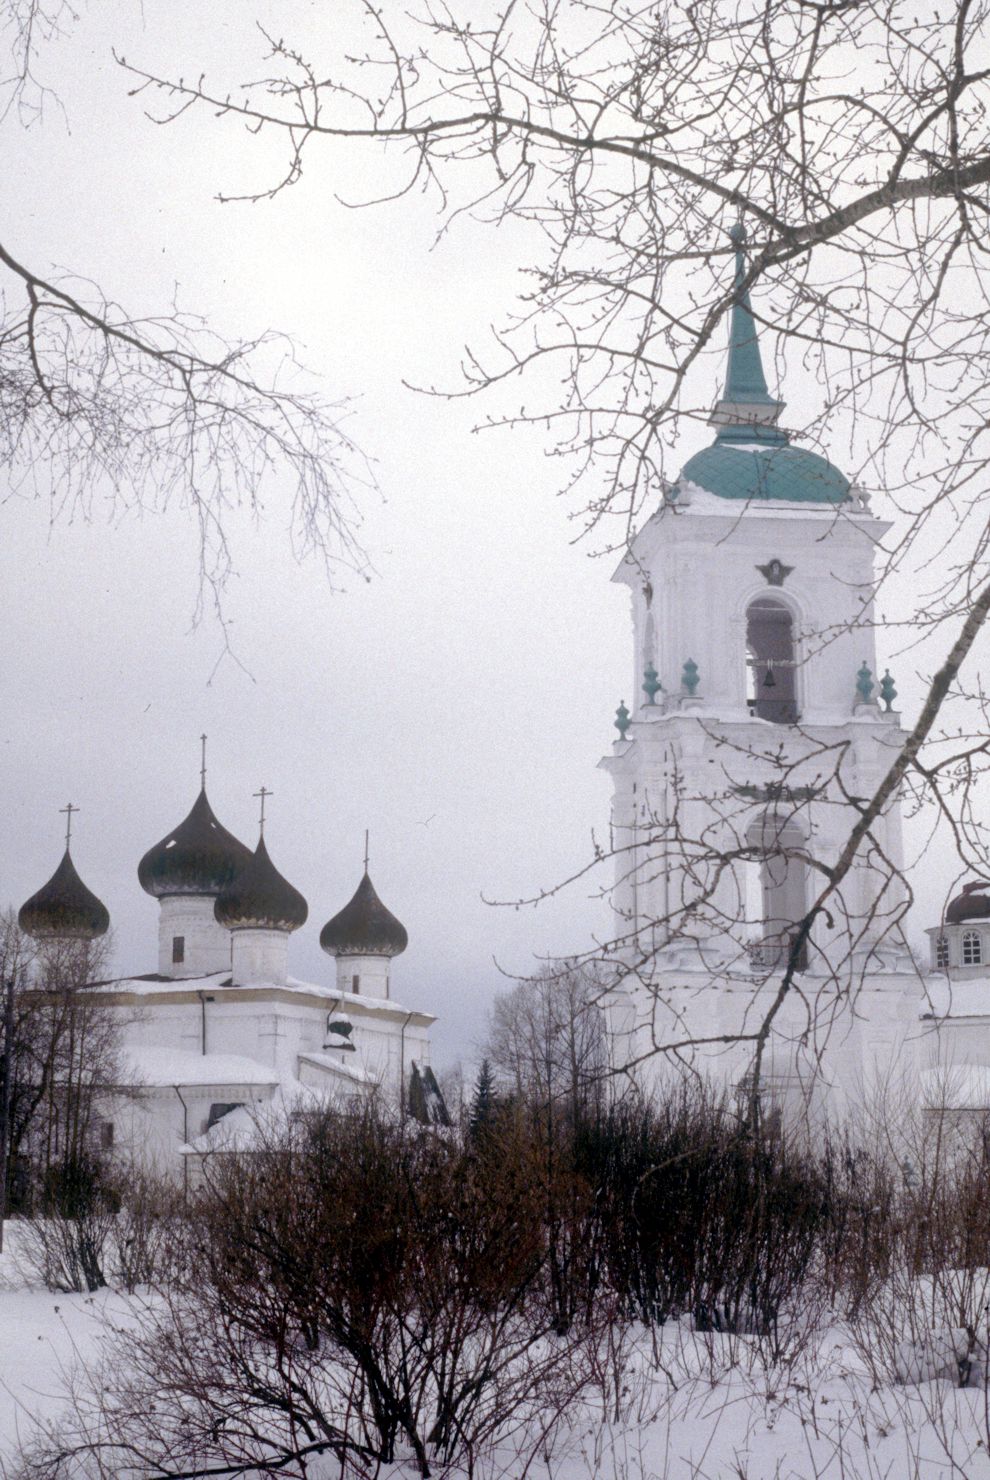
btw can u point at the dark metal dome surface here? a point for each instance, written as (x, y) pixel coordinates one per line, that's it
(199, 857)
(972, 904)
(364, 927)
(64, 908)
(259, 898)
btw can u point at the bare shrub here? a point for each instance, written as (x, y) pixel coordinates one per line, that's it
(68, 1244)
(926, 1314)
(703, 1215)
(857, 1245)
(147, 1229)
(362, 1289)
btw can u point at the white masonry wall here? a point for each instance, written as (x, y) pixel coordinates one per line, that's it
(259, 957)
(693, 572)
(206, 944)
(364, 976)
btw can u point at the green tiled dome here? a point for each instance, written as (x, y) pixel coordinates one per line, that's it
(752, 459)
(773, 473)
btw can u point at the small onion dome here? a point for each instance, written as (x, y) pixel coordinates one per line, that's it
(199, 857)
(364, 927)
(64, 909)
(339, 1030)
(258, 898)
(972, 904)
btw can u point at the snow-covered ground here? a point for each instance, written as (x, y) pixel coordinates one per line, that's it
(680, 1406)
(43, 1338)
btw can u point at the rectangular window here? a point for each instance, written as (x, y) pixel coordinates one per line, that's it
(219, 1109)
(178, 949)
(106, 1135)
(355, 984)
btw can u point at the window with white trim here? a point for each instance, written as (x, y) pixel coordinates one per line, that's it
(972, 949)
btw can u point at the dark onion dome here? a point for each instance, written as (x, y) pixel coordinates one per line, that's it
(64, 909)
(364, 927)
(258, 898)
(199, 857)
(972, 904)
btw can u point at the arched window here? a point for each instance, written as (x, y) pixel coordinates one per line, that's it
(772, 683)
(941, 953)
(783, 890)
(972, 949)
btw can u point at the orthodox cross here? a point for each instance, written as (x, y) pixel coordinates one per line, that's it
(263, 793)
(68, 810)
(366, 850)
(202, 762)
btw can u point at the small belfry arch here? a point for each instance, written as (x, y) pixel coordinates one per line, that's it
(777, 888)
(772, 658)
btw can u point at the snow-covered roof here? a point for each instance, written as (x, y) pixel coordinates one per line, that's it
(248, 1126)
(331, 1064)
(156, 1066)
(154, 985)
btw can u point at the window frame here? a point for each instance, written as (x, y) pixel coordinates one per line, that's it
(972, 948)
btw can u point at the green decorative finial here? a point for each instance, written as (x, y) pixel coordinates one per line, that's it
(651, 685)
(689, 678)
(887, 691)
(864, 684)
(622, 720)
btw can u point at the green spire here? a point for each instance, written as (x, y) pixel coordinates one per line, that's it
(745, 380)
(746, 412)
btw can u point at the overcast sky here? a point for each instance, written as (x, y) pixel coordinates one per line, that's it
(456, 705)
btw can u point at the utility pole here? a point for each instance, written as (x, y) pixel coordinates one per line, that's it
(6, 1091)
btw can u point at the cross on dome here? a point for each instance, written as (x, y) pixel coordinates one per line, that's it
(68, 809)
(263, 793)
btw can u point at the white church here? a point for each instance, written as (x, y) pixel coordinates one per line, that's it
(738, 775)
(221, 1041)
(762, 725)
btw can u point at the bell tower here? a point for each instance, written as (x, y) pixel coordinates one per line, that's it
(759, 722)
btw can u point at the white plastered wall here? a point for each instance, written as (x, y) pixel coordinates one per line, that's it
(206, 943)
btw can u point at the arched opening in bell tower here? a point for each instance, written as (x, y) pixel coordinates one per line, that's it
(776, 891)
(771, 661)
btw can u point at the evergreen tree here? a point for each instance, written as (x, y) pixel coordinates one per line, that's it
(484, 1103)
